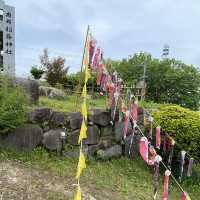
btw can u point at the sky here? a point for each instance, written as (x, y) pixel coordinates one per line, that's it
(121, 27)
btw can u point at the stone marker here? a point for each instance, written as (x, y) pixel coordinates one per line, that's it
(30, 86)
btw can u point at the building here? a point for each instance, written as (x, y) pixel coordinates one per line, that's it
(7, 39)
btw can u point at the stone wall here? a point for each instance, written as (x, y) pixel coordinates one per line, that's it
(46, 127)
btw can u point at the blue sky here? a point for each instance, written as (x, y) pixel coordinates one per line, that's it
(122, 28)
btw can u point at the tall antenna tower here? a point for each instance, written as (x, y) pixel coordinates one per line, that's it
(165, 53)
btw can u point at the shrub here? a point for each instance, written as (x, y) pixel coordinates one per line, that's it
(37, 72)
(13, 106)
(183, 125)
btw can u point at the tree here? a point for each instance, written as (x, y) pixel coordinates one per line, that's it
(37, 72)
(55, 69)
(168, 80)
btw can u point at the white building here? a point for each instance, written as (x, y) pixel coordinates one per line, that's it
(7, 39)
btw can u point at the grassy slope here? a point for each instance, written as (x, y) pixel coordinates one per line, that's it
(69, 104)
(117, 179)
(131, 179)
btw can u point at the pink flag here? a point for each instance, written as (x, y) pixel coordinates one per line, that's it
(134, 110)
(166, 185)
(158, 140)
(105, 80)
(93, 43)
(97, 58)
(99, 73)
(110, 92)
(144, 151)
(126, 121)
(183, 196)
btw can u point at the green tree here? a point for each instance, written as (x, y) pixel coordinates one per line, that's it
(36, 72)
(55, 69)
(168, 80)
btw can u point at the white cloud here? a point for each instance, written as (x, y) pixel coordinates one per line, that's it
(122, 27)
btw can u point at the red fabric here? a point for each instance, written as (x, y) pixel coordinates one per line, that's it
(144, 151)
(126, 121)
(183, 196)
(91, 51)
(166, 186)
(99, 74)
(110, 92)
(97, 58)
(134, 111)
(158, 139)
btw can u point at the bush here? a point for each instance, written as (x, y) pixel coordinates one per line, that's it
(37, 72)
(183, 125)
(13, 106)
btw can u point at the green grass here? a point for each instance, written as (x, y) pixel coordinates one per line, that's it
(149, 104)
(69, 103)
(129, 179)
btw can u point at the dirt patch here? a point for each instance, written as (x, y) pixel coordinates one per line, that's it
(19, 182)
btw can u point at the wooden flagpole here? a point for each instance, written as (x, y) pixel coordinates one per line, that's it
(81, 72)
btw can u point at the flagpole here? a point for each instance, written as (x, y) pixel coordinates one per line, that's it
(82, 63)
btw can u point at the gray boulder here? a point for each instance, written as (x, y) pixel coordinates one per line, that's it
(100, 117)
(106, 142)
(44, 91)
(24, 138)
(30, 86)
(92, 150)
(119, 130)
(52, 140)
(93, 136)
(73, 137)
(57, 119)
(74, 153)
(107, 131)
(75, 120)
(112, 152)
(40, 115)
(56, 94)
(51, 92)
(132, 150)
